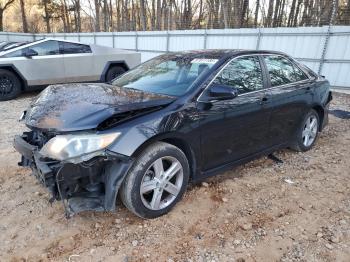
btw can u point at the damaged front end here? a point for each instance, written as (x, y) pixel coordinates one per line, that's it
(87, 182)
(73, 131)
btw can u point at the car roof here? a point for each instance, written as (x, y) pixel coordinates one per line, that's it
(21, 46)
(223, 52)
(62, 40)
(220, 54)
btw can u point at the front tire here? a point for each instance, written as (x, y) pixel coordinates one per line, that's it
(307, 133)
(10, 85)
(156, 181)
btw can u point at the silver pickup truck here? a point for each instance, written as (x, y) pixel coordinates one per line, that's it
(49, 61)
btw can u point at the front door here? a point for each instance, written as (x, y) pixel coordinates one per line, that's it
(236, 128)
(45, 67)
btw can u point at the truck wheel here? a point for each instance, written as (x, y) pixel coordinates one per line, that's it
(10, 86)
(113, 72)
(156, 181)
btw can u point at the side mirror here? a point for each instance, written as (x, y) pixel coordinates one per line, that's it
(222, 92)
(29, 53)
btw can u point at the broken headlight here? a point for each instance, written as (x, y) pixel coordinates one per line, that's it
(63, 147)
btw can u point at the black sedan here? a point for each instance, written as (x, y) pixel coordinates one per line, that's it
(177, 118)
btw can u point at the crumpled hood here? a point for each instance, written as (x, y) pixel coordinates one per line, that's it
(73, 107)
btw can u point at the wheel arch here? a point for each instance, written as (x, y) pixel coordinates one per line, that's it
(13, 69)
(320, 111)
(110, 64)
(175, 140)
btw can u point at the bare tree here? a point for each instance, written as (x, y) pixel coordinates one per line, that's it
(3, 6)
(77, 15)
(124, 15)
(47, 15)
(111, 15)
(143, 15)
(97, 16)
(24, 16)
(105, 16)
(256, 13)
(269, 14)
(298, 8)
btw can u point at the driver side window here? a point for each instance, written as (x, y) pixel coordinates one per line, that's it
(46, 48)
(243, 74)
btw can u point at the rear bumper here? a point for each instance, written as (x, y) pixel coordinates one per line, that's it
(81, 187)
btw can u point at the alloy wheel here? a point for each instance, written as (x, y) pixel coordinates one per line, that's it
(6, 85)
(310, 130)
(161, 183)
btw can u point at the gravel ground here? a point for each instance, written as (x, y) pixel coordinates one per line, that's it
(262, 211)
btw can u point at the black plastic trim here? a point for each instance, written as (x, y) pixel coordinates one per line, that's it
(22, 78)
(108, 66)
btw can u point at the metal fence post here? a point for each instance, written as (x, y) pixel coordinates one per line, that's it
(205, 39)
(328, 35)
(258, 39)
(113, 35)
(167, 41)
(136, 42)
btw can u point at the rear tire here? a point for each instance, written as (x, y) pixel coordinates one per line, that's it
(307, 133)
(156, 181)
(10, 85)
(113, 72)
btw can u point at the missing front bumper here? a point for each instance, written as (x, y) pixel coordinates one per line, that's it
(91, 185)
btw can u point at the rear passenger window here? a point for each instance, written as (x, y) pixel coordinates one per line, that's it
(282, 71)
(243, 74)
(73, 48)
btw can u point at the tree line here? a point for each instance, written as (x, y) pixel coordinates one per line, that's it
(142, 15)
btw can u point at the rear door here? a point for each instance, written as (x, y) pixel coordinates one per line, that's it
(78, 62)
(291, 94)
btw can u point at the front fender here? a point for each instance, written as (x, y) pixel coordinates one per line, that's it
(138, 132)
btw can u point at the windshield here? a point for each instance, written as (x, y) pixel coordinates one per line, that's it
(168, 74)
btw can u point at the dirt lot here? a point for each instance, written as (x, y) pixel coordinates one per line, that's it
(263, 211)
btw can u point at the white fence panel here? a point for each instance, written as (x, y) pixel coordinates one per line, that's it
(154, 41)
(232, 38)
(125, 40)
(307, 44)
(104, 39)
(18, 37)
(186, 40)
(149, 55)
(86, 38)
(297, 42)
(339, 43)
